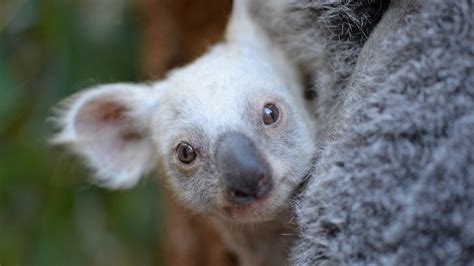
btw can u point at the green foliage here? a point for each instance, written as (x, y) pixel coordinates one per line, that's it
(49, 213)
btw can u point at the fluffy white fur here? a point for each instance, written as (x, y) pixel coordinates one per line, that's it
(125, 130)
(118, 162)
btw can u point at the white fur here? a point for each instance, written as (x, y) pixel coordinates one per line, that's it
(114, 167)
(124, 130)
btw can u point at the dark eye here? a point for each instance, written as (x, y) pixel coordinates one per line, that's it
(186, 153)
(270, 114)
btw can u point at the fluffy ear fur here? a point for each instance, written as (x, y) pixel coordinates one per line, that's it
(108, 126)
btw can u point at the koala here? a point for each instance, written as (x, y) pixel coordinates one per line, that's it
(229, 133)
(393, 183)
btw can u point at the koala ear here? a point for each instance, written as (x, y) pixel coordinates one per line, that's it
(109, 127)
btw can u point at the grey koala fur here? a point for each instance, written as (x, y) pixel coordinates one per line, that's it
(394, 179)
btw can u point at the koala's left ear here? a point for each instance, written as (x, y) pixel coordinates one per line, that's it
(109, 127)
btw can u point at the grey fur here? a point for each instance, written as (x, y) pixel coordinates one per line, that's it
(394, 180)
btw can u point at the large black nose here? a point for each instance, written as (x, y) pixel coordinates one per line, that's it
(246, 174)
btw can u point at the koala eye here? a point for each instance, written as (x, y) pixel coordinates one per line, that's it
(186, 153)
(270, 114)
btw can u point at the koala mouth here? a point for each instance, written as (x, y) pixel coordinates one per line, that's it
(246, 193)
(258, 209)
(265, 208)
(241, 206)
(252, 211)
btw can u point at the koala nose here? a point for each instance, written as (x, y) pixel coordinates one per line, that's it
(246, 174)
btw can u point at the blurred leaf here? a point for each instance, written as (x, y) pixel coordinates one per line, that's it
(49, 214)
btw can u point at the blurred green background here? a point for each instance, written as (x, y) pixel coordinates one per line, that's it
(49, 213)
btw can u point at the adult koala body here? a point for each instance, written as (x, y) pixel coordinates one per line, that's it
(229, 131)
(394, 178)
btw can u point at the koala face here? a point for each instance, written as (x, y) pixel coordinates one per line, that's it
(229, 131)
(237, 147)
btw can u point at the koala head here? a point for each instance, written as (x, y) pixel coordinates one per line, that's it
(229, 132)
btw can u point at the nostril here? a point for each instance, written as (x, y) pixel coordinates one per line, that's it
(241, 197)
(241, 194)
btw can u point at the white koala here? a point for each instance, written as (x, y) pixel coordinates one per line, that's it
(229, 131)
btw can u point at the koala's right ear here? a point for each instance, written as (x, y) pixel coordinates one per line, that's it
(109, 127)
